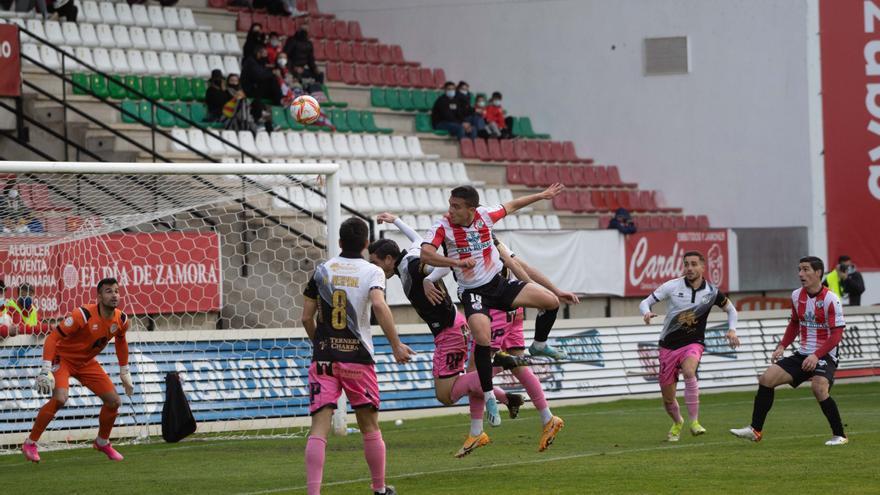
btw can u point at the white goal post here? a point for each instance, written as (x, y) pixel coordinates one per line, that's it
(203, 248)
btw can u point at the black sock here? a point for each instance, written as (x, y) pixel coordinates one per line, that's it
(763, 403)
(829, 407)
(483, 359)
(544, 323)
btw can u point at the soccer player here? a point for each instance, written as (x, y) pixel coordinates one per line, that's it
(466, 233)
(340, 293)
(507, 336)
(690, 298)
(69, 352)
(447, 325)
(817, 317)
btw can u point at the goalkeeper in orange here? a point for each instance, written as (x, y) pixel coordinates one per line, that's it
(69, 352)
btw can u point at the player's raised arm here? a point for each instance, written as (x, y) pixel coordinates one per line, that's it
(659, 294)
(402, 352)
(517, 204)
(408, 231)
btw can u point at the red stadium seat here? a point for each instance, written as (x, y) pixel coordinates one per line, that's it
(341, 30)
(467, 148)
(520, 150)
(482, 149)
(691, 223)
(331, 50)
(578, 177)
(679, 222)
(667, 223)
(273, 24)
(348, 75)
(494, 150)
(316, 29)
(362, 74)
(647, 201)
(601, 177)
(635, 200)
(604, 220)
(401, 76)
(527, 172)
(334, 71)
(556, 151)
(584, 202)
(513, 174)
(622, 198)
(371, 51)
(358, 52)
(385, 54)
(507, 150)
(552, 174)
(320, 50)
(533, 150)
(244, 21)
(302, 5)
(354, 31)
(329, 26)
(260, 18)
(397, 55)
(562, 201)
(345, 51)
(288, 26)
(598, 200)
(375, 74)
(426, 78)
(540, 176)
(415, 77)
(546, 151)
(613, 175)
(565, 176)
(655, 222)
(611, 200)
(389, 75)
(439, 78)
(703, 222)
(217, 4)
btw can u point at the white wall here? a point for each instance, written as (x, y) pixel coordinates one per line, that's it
(731, 139)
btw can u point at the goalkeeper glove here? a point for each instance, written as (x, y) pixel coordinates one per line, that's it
(45, 382)
(125, 376)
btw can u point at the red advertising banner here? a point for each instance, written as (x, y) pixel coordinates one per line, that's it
(170, 272)
(850, 47)
(652, 258)
(10, 61)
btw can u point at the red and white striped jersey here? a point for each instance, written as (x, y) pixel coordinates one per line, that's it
(473, 241)
(816, 317)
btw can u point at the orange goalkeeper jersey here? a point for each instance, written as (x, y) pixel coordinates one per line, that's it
(84, 334)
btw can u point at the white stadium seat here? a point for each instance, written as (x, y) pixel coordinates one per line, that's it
(389, 174)
(377, 200)
(340, 143)
(169, 39)
(424, 222)
(359, 172)
(181, 135)
(32, 51)
(157, 19)
(53, 33)
(102, 60)
(491, 198)
(187, 19)
(122, 38)
(345, 176)
(154, 39)
(422, 201)
(151, 60)
(214, 146)
(36, 26)
(215, 62)
(88, 36)
(108, 12)
(539, 222)
(91, 13)
(136, 62)
(403, 174)
(201, 41)
(374, 173)
(216, 42)
(231, 138)
(138, 37)
(505, 195)
(407, 201)
(553, 222)
(325, 144)
(196, 139)
(398, 144)
(386, 149)
(446, 175)
(169, 64)
(415, 147)
(230, 40)
(70, 30)
(278, 143)
(310, 143)
(460, 172)
(50, 57)
(511, 222)
(392, 201)
(172, 20)
(140, 15)
(361, 201)
(84, 53)
(417, 171)
(185, 65)
(105, 36)
(200, 65)
(124, 14)
(432, 173)
(295, 144)
(525, 222)
(437, 199)
(246, 142)
(230, 63)
(371, 146)
(119, 60)
(187, 44)
(356, 145)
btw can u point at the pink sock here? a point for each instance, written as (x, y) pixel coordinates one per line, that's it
(673, 410)
(465, 384)
(692, 397)
(374, 451)
(500, 395)
(315, 464)
(532, 385)
(477, 403)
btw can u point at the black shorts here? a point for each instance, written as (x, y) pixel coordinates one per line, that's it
(792, 365)
(498, 294)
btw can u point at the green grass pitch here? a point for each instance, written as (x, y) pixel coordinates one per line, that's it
(614, 447)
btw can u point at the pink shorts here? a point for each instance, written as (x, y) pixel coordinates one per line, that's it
(671, 359)
(450, 349)
(328, 379)
(507, 329)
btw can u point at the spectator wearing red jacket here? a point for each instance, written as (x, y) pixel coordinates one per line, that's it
(495, 120)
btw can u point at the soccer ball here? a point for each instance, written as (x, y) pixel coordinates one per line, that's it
(305, 109)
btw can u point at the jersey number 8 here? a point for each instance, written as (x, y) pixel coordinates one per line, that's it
(337, 315)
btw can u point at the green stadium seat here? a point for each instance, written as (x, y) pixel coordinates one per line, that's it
(82, 80)
(330, 101)
(199, 88)
(133, 82)
(355, 121)
(164, 117)
(406, 100)
(423, 124)
(131, 107)
(369, 124)
(340, 120)
(377, 97)
(167, 89)
(98, 84)
(184, 88)
(145, 111)
(182, 109)
(198, 112)
(117, 90)
(279, 117)
(150, 87)
(392, 99)
(420, 100)
(294, 125)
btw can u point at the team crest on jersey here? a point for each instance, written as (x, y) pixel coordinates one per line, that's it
(707, 298)
(479, 224)
(95, 326)
(820, 304)
(113, 328)
(68, 322)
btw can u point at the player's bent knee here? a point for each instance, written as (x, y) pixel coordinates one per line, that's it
(113, 402)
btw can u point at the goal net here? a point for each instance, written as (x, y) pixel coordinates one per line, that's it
(211, 267)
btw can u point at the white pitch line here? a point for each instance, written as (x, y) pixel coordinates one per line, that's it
(541, 461)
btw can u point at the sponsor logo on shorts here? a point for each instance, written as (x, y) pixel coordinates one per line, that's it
(68, 322)
(113, 328)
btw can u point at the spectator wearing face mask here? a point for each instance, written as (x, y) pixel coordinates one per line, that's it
(479, 119)
(259, 82)
(466, 111)
(273, 47)
(496, 124)
(237, 114)
(216, 96)
(301, 59)
(255, 38)
(446, 114)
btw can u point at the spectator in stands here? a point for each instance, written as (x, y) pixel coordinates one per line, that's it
(273, 7)
(301, 59)
(29, 5)
(273, 47)
(445, 114)
(16, 214)
(62, 10)
(259, 82)
(466, 111)
(237, 114)
(494, 115)
(622, 222)
(479, 119)
(845, 280)
(255, 38)
(215, 96)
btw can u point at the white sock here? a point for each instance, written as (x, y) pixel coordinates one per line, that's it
(546, 415)
(102, 441)
(28, 441)
(539, 345)
(381, 490)
(490, 395)
(476, 427)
